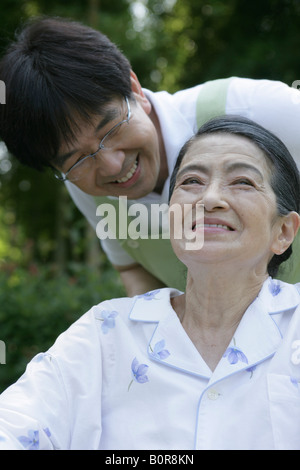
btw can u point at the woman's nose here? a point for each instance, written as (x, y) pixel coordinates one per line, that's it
(214, 198)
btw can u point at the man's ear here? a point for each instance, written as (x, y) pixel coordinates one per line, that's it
(288, 228)
(138, 93)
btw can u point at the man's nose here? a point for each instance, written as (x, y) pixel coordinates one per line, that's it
(109, 162)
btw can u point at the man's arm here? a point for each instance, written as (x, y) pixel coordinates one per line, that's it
(137, 280)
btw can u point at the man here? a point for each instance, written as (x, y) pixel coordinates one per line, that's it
(74, 104)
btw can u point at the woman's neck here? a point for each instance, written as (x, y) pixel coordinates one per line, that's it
(213, 306)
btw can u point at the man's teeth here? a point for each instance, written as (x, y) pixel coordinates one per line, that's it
(129, 174)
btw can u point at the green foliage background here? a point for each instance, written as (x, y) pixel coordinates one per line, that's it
(51, 266)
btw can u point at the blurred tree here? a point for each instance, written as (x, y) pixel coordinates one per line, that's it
(12, 11)
(206, 39)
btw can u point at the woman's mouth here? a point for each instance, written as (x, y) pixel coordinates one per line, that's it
(207, 226)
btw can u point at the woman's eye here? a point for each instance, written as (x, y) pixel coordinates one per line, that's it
(191, 180)
(243, 182)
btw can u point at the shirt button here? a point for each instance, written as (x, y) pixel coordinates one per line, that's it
(133, 244)
(213, 394)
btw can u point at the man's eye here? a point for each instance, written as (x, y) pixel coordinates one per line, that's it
(78, 160)
(115, 130)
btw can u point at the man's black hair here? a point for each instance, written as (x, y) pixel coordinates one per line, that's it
(57, 73)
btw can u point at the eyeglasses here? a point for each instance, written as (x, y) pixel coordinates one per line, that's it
(85, 164)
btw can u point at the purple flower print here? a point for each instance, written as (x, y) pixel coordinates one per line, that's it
(159, 352)
(138, 372)
(149, 295)
(30, 442)
(274, 288)
(234, 354)
(108, 319)
(294, 382)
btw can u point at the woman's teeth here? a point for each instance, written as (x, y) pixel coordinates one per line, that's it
(129, 174)
(212, 225)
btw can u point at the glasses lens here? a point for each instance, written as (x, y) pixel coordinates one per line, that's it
(111, 137)
(80, 169)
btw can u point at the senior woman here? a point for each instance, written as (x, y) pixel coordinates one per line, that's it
(217, 367)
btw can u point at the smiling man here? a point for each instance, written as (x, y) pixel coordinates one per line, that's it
(73, 103)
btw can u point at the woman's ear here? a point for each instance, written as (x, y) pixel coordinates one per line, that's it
(288, 228)
(139, 95)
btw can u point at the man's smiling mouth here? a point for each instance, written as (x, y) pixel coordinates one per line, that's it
(128, 175)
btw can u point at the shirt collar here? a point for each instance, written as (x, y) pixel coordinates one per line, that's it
(261, 329)
(144, 308)
(274, 297)
(256, 338)
(278, 296)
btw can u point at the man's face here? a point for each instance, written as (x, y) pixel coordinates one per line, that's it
(130, 165)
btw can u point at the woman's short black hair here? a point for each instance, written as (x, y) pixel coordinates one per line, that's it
(285, 179)
(56, 72)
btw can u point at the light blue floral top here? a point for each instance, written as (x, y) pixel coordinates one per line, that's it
(127, 376)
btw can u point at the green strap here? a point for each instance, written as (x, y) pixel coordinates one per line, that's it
(211, 100)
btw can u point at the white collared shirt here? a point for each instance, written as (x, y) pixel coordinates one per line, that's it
(127, 376)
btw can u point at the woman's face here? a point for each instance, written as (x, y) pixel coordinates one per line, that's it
(230, 176)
